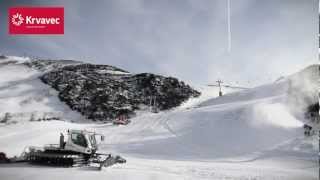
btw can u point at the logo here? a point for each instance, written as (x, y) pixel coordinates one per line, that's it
(36, 20)
(17, 19)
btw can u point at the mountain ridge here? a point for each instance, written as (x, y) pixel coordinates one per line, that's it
(104, 92)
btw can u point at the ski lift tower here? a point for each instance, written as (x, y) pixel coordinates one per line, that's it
(318, 128)
(219, 84)
(319, 87)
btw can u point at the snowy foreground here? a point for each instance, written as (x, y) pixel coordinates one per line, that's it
(243, 135)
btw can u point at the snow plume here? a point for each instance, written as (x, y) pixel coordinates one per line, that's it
(275, 114)
(303, 89)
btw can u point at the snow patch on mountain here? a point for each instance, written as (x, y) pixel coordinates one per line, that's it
(24, 97)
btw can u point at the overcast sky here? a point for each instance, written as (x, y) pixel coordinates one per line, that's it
(187, 39)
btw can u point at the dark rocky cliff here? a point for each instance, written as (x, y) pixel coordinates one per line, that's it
(103, 92)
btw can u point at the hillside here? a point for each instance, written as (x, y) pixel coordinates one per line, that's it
(249, 134)
(102, 92)
(24, 96)
(83, 91)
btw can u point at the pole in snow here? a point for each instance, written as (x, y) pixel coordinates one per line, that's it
(219, 84)
(150, 103)
(153, 103)
(319, 139)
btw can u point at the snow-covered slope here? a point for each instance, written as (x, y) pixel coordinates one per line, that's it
(236, 124)
(207, 92)
(248, 134)
(24, 96)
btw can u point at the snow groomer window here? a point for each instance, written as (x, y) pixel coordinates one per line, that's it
(79, 139)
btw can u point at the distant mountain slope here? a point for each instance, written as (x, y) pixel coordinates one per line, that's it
(24, 97)
(103, 92)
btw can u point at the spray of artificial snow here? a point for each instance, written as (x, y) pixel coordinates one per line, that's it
(274, 114)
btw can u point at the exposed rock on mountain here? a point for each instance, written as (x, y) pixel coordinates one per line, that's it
(103, 92)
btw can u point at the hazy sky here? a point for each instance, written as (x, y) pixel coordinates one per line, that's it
(182, 38)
